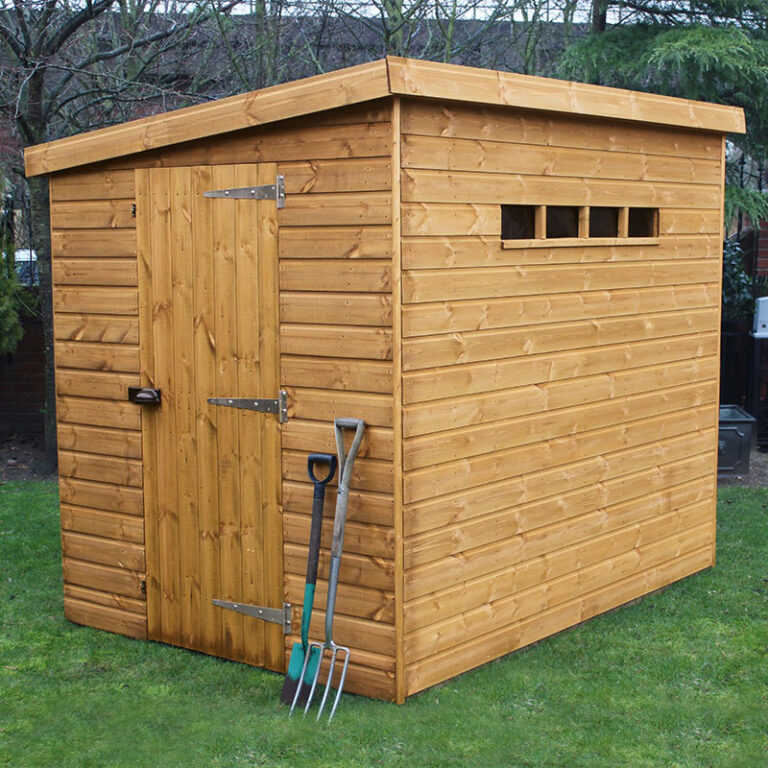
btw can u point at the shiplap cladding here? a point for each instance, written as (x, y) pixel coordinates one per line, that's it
(335, 249)
(541, 417)
(96, 324)
(559, 403)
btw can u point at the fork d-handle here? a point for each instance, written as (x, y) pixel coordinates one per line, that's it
(315, 531)
(346, 464)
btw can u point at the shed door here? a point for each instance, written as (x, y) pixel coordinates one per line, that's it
(208, 298)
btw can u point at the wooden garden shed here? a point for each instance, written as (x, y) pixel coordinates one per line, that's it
(515, 282)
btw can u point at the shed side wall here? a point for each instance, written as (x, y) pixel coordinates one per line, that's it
(336, 359)
(559, 404)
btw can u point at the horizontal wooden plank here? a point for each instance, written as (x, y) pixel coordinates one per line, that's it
(336, 308)
(99, 413)
(305, 403)
(109, 599)
(487, 438)
(99, 440)
(509, 608)
(296, 140)
(103, 617)
(426, 186)
(604, 560)
(358, 634)
(96, 356)
(337, 374)
(480, 314)
(103, 578)
(98, 243)
(101, 496)
(336, 209)
(363, 506)
(93, 214)
(587, 466)
(118, 329)
(106, 385)
(439, 667)
(335, 242)
(363, 539)
(373, 604)
(433, 416)
(107, 525)
(489, 156)
(493, 467)
(523, 126)
(685, 222)
(358, 570)
(318, 437)
(508, 343)
(581, 514)
(488, 251)
(367, 474)
(98, 272)
(443, 285)
(105, 469)
(92, 185)
(338, 275)
(450, 219)
(346, 175)
(94, 299)
(419, 386)
(280, 102)
(489, 574)
(92, 549)
(368, 343)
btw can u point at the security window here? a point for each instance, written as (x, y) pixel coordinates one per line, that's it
(542, 226)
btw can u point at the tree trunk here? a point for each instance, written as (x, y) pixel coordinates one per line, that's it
(41, 240)
(599, 15)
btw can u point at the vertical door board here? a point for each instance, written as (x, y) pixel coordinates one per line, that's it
(209, 328)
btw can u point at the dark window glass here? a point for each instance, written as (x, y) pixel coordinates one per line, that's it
(643, 222)
(603, 222)
(518, 222)
(562, 221)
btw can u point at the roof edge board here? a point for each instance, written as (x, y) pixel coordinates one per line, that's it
(365, 82)
(413, 77)
(297, 98)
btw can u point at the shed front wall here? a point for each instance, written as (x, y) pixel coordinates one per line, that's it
(559, 403)
(335, 264)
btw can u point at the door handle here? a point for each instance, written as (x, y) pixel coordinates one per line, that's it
(144, 395)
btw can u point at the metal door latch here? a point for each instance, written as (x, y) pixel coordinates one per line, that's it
(278, 406)
(275, 615)
(144, 395)
(274, 191)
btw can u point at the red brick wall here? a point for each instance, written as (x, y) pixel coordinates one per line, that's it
(762, 250)
(22, 384)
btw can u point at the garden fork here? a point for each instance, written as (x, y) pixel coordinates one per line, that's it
(346, 463)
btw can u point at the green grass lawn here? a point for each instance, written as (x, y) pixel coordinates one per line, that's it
(678, 679)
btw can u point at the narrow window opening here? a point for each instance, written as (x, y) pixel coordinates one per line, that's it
(562, 221)
(518, 222)
(643, 222)
(603, 222)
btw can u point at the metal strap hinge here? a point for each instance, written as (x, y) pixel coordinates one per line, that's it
(274, 191)
(274, 615)
(278, 405)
